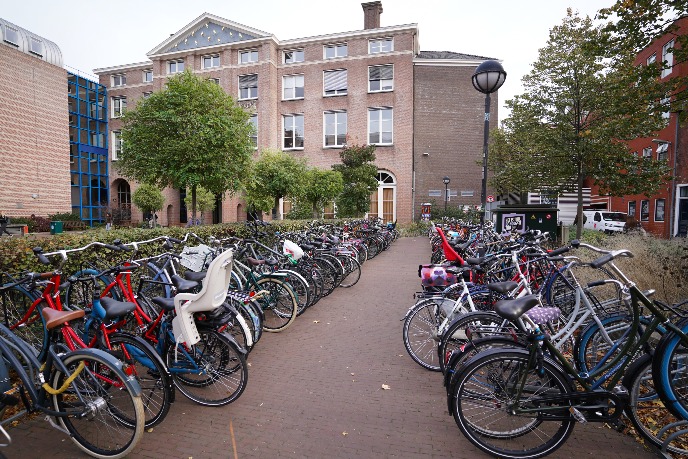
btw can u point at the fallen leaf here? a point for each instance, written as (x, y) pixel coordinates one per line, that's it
(149, 430)
(385, 387)
(353, 374)
(345, 433)
(248, 363)
(316, 321)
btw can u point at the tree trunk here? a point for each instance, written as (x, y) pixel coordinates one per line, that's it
(277, 209)
(315, 211)
(579, 206)
(193, 203)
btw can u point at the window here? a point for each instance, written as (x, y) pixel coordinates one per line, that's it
(211, 61)
(335, 129)
(147, 76)
(253, 121)
(335, 82)
(647, 152)
(339, 50)
(293, 131)
(380, 45)
(644, 210)
(666, 108)
(292, 87)
(467, 193)
(116, 144)
(659, 210)
(381, 78)
(668, 58)
(119, 80)
(36, 46)
(247, 57)
(248, 86)
(292, 56)
(662, 149)
(175, 66)
(631, 208)
(11, 35)
(214, 80)
(146, 95)
(119, 104)
(652, 59)
(380, 126)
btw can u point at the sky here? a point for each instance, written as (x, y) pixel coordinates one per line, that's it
(94, 34)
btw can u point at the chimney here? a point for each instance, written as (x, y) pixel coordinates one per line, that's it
(371, 14)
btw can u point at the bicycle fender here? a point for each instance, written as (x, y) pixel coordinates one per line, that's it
(131, 383)
(230, 338)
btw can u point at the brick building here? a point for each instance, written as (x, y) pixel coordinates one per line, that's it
(310, 96)
(666, 213)
(34, 126)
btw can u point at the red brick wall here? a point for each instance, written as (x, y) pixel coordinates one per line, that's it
(34, 136)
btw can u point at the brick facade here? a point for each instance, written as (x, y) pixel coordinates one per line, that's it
(34, 135)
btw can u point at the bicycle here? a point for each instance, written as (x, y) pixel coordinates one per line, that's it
(84, 393)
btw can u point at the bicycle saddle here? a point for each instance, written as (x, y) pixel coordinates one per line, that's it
(182, 284)
(502, 287)
(195, 276)
(166, 303)
(114, 308)
(513, 309)
(54, 318)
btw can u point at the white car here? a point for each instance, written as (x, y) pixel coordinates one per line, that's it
(602, 220)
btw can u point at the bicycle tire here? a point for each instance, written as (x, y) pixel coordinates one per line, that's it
(670, 372)
(646, 410)
(102, 433)
(352, 272)
(482, 405)
(420, 333)
(79, 292)
(27, 323)
(140, 360)
(279, 304)
(222, 374)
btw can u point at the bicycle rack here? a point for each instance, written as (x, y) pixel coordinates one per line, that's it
(671, 437)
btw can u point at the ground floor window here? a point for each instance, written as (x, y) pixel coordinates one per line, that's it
(644, 210)
(659, 210)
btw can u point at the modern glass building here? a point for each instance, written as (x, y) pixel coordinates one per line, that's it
(88, 148)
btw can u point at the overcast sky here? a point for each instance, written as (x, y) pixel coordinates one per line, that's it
(94, 34)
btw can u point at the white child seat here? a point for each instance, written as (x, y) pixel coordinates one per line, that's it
(213, 293)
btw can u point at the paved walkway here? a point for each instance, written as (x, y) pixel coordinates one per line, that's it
(315, 391)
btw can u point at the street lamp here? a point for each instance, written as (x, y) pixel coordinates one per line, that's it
(488, 78)
(446, 192)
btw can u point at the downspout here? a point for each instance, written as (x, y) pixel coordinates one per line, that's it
(413, 136)
(672, 224)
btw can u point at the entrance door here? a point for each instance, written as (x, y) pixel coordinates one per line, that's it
(383, 202)
(683, 211)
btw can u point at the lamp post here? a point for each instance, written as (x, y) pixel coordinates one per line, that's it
(488, 78)
(663, 148)
(446, 181)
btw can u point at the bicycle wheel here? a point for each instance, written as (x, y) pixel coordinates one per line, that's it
(420, 332)
(670, 369)
(487, 398)
(301, 290)
(329, 275)
(279, 304)
(143, 362)
(80, 290)
(212, 372)
(352, 271)
(646, 410)
(24, 319)
(106, 416)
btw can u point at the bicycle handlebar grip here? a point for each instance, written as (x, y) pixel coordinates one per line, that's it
(125, 248)
(558, 251)
(116, 248)
(596, 283)
(575, 243)
(175, 240)
(604, 259)
(45, 275)
(43, 259)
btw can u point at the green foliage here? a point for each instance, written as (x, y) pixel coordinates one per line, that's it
(64, 217)
(148, 198)
(299, 212)
(187, 135)
(320, 187)
(570, 123)
(359, 173)
(275, 175)
(417, 228)
(205, 201)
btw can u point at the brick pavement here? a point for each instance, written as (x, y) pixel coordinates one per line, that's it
(315, 391)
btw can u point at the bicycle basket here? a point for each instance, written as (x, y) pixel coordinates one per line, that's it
(195, 258)
(435, 276)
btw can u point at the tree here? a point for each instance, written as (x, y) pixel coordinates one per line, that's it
(205, 201)
(275, 175)
(320, 187)
(570, 123)
(359, 175)
(149, 199)
(190, 134)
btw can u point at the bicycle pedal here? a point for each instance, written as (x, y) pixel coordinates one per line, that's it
(577, 415)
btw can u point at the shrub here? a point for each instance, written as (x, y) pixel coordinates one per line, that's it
(64, 217)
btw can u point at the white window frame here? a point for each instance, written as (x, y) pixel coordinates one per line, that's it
(145, 76)
(654, 214)
(119, 105)
(119, 80)
(381, 80)
(336, 114)
(284, 118)
(640, 212)
(647, 152)
(250, 88)
(292, 78)
(652, 59)
(214, 61)
(379, 111)
(147, 94)
(175, 63)
(284, 55)
(635, 209)
(665, 103)
(379, 45)
(340, 91)
(254, 137)
(116, 140)
(662, 151)
(337, 48)
(15, 38)
(380, 193)
(36, 46)
(249, 53)
(667, 57)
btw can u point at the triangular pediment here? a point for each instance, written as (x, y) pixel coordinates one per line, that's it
(207, 30)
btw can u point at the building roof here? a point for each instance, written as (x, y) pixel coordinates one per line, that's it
(451, 55)
(30, 43)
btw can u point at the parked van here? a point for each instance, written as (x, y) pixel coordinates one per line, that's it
(602, 220)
